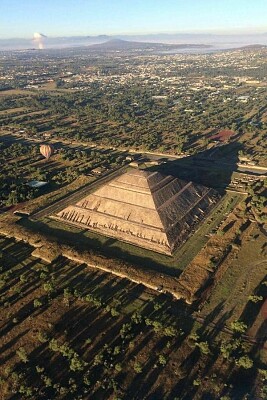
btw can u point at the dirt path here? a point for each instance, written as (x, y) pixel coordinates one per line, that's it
(225, 329)
(245, 282)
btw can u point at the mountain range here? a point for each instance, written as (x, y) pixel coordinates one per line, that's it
(217, 41)
(120, 44)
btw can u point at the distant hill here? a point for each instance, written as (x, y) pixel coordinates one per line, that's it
(253, 47)
(177, 39)
(120, 44)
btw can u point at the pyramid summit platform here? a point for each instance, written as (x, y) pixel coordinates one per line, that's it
(144, 208)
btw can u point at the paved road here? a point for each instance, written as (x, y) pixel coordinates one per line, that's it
(149, 154)
(9, 138)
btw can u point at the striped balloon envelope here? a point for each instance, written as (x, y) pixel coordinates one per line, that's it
(46, 150)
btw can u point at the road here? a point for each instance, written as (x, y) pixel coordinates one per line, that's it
(10, 137)
(72, 144)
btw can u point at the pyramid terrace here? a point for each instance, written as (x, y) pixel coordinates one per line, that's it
(144, 208)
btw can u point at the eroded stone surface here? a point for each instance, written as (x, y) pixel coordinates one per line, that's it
(144, 208)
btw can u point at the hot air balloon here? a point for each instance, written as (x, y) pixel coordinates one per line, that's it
(46, 150)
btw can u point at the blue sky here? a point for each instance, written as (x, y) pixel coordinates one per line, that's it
(20, 18)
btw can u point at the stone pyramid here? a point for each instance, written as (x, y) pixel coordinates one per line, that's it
(144, 208)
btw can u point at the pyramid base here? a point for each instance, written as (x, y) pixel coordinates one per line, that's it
(141, 244)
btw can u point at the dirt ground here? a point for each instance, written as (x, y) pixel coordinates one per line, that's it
(68, 331)
(245, 276)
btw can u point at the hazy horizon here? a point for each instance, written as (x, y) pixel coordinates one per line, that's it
(249, 32)
(124, 17)
(66, 23)
(220, 41)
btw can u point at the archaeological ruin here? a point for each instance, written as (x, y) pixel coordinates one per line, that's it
(144, 208)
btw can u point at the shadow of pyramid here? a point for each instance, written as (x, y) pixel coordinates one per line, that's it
(212, 168)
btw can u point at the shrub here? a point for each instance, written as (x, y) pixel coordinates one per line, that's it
(114, 312)
(138, 368)
(42, 337)
(98, 359)
(255, 299)
(21, 352)
(245, 362)
(86, 380)
(238, 326)
(194, 336)
(76, 363)
(37, 303)
(263, 373)
(203, 347)
(48, 287)
(136, 318)
(157, 306)
(25, 390)
(39, 369)
(116, 350)
(118, 367)
(170, 331)
(47, 380)
(162, 360)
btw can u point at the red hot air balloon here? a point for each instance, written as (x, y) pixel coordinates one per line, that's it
(46, 150)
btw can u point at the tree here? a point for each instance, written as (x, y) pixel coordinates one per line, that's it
(170, 331)
(244, 362)
(203, 347)
(86, 380)
(118, 367)
(157, 306)
(255, 299)
(238, 326)
(117, 350)
(37, 303)
(76, 363)
(137, 317)
(263, 373)
(114, 312)
(226, 349)
(47, 380)
(48, 287)
(21, 352)
(138, 367)
(23, 389)
(98, 359)
(194, 336)
(162, 360)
